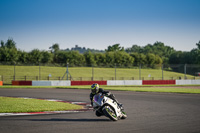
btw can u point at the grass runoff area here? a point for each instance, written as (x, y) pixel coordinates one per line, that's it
(21, 105)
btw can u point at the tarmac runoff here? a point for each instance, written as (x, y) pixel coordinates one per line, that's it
(86, 107)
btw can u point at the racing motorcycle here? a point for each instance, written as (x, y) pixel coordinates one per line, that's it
(108, 107)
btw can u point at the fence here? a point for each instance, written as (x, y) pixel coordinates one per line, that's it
(100, 73)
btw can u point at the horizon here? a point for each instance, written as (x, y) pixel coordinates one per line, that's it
(86, 48)
(98, 24)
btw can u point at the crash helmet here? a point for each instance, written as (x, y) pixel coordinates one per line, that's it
(95, 88)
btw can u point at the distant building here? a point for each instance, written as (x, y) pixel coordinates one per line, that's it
(83, 49)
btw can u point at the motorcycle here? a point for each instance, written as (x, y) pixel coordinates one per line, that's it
(108, 107)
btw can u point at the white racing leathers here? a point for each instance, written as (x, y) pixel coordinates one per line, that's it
(108, 107)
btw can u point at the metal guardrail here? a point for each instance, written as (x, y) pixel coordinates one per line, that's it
(8, 79)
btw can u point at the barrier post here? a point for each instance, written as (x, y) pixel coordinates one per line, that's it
(39, 71)
(162, 72)
(67, 70)
(185, 69)
(14, 72)
(92, 72)
(140, 72)
(115, 72)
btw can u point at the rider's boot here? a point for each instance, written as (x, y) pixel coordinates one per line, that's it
(120, 104)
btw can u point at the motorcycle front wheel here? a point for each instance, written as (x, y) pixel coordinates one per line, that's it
(109, 112)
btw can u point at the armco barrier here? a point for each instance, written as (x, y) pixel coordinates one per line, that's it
(108, 82)
(187, 82)
(1, 83)
(15, 82)
(124, 82)
(21, 82)
(60, 83)
(41, 83)
(51, 83)
(158, 82)
(88, 82)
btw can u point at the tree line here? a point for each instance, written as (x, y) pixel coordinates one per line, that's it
(149, 55)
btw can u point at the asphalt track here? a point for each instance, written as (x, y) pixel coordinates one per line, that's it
(147, 113)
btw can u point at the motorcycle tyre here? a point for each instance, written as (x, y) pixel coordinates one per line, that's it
(124, 115)
(108, 115)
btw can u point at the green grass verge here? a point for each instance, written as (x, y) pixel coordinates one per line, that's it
(19, 105)
(165, 89)
(83, 73)
(145, 88)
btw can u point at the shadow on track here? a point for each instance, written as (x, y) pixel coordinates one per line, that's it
(73, 120)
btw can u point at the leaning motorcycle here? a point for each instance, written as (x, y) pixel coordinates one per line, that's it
(108, 107)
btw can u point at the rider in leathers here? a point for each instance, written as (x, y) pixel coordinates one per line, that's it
(95, 90)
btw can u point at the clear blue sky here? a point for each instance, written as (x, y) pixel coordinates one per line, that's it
(100, 23)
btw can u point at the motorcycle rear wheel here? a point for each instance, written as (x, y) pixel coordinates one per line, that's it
(109, 112)
(124, 115)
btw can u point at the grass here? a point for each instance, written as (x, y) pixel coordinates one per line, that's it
(83, 73)
(146, 88)
(165, 89)
(19, 105)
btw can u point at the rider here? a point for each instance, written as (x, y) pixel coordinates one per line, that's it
(95, 90)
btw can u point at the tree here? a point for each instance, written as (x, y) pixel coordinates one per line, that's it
(110, 60)
(46, 57)
(9, 55)
(175, 58)
(114, 47)
(134, 48)
(148, 49)
(151, 59)
(10, 44)
(8, 51)
(60, 57)
(123, 58)
(198, 45)
(100, 58)
(74, 58)
(23, 56)
(54, 48)
(158, 60)
(2, 44)
(89, 58)
(136, 57)
(35, 56)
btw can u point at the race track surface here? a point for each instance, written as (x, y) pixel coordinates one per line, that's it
(147, 113)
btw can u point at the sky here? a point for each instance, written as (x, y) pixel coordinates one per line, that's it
(97, 24)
